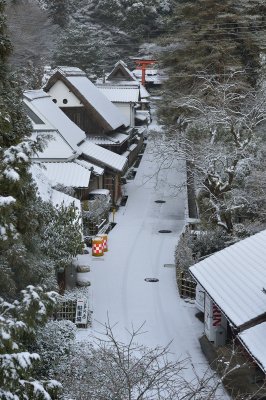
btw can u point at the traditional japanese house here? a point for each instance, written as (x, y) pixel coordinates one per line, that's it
(233, 295)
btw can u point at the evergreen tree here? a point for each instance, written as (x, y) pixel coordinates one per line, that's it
(91, 47)
(59, 11)
(100, 33)
(24, 254)
(211, 100)
(212, 38)
(18, 323)
(32, 33)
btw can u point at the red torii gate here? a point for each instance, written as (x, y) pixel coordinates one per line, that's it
(143, 64)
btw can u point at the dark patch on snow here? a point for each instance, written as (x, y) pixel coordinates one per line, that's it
(160, 201)
(137, 162)
(131, 174)
(151, 279)
(110, 227)
(165, 231)
(200, 316)
(123, 200)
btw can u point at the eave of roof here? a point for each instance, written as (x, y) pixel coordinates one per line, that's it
(103, 156)
(233, 278)
(254, 340)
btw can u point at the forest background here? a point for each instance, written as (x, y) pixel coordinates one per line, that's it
(212, 111)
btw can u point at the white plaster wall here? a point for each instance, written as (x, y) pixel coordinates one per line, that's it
(200, 297)
(125, 108)
(59, 91)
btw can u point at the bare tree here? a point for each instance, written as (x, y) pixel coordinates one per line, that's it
(217, 135)
(107, 368)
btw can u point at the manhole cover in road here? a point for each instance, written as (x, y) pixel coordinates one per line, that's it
(159, 201)
(164, 231)
(151, 280)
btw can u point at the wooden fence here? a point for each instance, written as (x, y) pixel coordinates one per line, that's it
(186, 285)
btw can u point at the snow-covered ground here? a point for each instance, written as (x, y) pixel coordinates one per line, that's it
(138, 251)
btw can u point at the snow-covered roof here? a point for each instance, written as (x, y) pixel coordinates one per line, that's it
(71, 71)
(120, 72)
(111, 139)
(234, 278)
(142, 115)
(151, 75)
(92, 167)
(56, 148)
(144, 94)
(89, 94)
(41, 103)
(254, 340)
(121, 94)
(118, 137)
(103, 156)
(68, 174)
(100, 140)
(47, 193)
(59, 198)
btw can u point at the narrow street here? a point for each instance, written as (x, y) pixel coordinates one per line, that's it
(137, 251)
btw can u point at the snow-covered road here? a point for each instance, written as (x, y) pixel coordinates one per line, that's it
(138, 251)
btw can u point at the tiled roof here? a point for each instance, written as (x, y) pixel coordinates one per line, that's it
(126, 73)
(111, 139)
(92, 167)
(68, 174)
(120, 94)
(99, 102)
(41, 103)
(56, 147)
(103, 156)
(234, 278)
(46, 192)
(89, 94)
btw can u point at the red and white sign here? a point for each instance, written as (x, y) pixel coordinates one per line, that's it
(216, 316)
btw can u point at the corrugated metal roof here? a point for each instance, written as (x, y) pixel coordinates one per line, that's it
(41, 103)
(90, 166)
(103, 156)
(234, 278)
(120, 94)
(68, 174)
(56, 147)
(98, 101)
(254, 339)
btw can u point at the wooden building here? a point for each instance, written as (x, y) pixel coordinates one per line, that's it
(233, 295)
